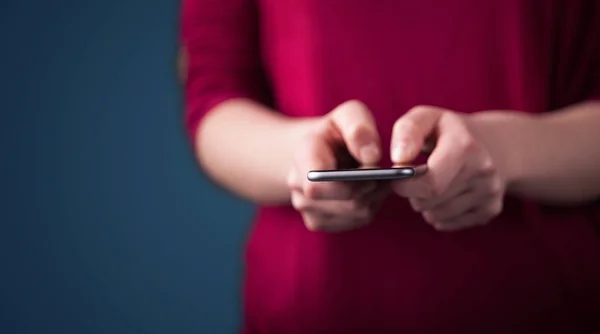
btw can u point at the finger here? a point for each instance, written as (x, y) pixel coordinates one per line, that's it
(474, 174)
(417, 187)
(367, 188)
(314, 219)
(338, 191)
(357, 127)
(450, 154)
(377, 197)
(427, 204)
(350, 209)
(324, 190)
(468, 220)
(317, 153)
(411, 131)
(455, 207)
(316, 223)
(294, 181)
(377, 193)
(299, 201)
(428, 146)
(479, 216)
(331, 215)
(459, 185)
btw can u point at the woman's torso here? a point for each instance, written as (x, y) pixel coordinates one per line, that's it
(527, 270)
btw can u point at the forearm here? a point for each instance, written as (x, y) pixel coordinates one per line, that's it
(553, 158)
(247, 148)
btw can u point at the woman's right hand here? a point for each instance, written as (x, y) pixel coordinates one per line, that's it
(345, 138)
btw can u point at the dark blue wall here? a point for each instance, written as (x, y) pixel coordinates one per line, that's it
(107, 225)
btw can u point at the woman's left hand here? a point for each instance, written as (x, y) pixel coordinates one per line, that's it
(464, 185)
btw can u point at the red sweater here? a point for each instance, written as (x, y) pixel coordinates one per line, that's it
(532, 270)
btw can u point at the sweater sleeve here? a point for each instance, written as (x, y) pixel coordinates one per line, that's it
(221, 56)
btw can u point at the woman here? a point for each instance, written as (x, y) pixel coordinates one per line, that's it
(499, 236)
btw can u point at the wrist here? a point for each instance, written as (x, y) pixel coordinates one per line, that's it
(502, 133)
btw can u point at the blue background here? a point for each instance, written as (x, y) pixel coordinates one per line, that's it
(107, 224)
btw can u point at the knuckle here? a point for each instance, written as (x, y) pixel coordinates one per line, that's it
(496, 208)
(495, 187)
(487, 166)
(355, 103)
(300, 203)
(292, 181)
(404, 127)
(429, 217)
(311, 191)
(349, 107)
(416, 204)
(440, 227)
(419, 109)
(354, 205)
(314, 225)
(467, 143)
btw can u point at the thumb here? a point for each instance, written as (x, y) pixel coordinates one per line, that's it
(357, 127)
(411, 131)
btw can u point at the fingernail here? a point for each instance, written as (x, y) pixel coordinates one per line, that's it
(400, 153)
(369, 154)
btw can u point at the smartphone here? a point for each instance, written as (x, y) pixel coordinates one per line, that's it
(366, 174)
